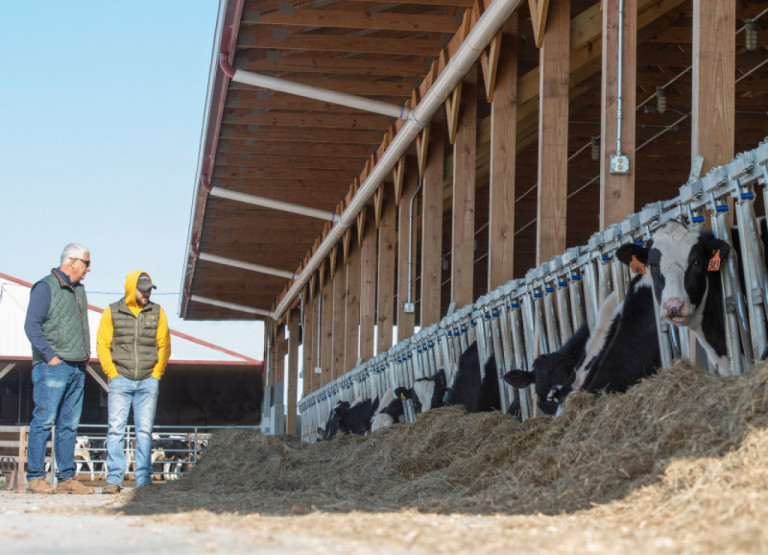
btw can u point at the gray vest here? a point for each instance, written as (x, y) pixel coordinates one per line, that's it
(66, 323)
(134, 339)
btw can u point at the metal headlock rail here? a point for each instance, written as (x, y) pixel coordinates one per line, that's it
(537, 314)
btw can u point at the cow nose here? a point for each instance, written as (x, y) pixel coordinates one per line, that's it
(673, 308)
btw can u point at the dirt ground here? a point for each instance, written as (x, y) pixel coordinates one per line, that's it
(676, 465)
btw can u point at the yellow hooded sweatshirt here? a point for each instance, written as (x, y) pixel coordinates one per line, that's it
(105, 333)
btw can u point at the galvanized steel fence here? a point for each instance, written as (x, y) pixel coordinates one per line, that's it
(538, 313)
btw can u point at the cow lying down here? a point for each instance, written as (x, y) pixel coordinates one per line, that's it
(622, 348)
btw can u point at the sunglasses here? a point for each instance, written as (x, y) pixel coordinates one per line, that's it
(86, 262)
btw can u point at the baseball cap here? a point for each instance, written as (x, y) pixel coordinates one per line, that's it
(144, 283)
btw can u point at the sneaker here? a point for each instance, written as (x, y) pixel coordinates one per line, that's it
(39, 485)
(73, 486)
(111, 489)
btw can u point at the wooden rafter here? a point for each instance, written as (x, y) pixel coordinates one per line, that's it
(538, 9)
(355, 20)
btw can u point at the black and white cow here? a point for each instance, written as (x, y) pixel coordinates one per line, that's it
(475, 387)
(349, 419)
(426, 394)
(553, 372)
(622, 349)
(685, 267)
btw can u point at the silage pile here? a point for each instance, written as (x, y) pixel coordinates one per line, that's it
(674, 438)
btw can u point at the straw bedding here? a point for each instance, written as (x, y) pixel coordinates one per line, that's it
(681, 449)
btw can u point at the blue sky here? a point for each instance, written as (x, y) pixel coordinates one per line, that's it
(101, 108)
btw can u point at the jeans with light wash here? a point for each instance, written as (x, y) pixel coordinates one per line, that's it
(142, 395)
(58, 395)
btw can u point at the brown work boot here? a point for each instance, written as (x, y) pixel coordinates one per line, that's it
(39, 485)
(73, 485)
(111, 489)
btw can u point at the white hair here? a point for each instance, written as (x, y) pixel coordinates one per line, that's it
(73, 250)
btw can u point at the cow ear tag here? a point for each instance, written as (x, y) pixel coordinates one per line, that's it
(402, 396)
(714, 262)
(635, 266)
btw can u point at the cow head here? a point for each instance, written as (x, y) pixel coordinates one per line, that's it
(553, 375)
(679, 260)
(335, 420)
(428, 393)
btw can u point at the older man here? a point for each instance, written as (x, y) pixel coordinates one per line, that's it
(57, 327)
(134, 345)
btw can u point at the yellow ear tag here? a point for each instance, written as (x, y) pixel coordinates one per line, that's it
(714, 262)
(402, 396)
(635, 266)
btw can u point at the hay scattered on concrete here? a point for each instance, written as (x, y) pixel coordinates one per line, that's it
(680, 443)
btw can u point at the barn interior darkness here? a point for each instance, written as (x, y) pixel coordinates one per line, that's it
(205, 395)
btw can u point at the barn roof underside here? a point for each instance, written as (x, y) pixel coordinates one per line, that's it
(309, 153)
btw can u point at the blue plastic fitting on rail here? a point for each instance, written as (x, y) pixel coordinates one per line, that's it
(722, 208)
(549, 289)
(747, 196)
(537, 295)
(577, 277)
(562, 283)
(697, 219)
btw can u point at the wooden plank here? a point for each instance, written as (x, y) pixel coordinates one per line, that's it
(275, 173)
(254, 60)
(293, 372)
(713, 108)
(503, 159)
(296, 160)
(368, 271)
(286, 118)
(406, 321)
(236, 147)
(336, 136)
(352, 305)
(362, 45)
(385, 302)
(338, 19)
(617, 191)
(464, 153)
(553, 133)
(432, 231)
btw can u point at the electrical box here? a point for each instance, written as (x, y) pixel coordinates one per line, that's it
(409, 308)
(619, 163)
(318, 369)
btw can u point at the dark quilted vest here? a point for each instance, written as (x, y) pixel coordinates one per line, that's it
(66, 324)
(134, 340)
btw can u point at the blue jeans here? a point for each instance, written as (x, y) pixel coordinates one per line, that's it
(58, 395)
(142, 395)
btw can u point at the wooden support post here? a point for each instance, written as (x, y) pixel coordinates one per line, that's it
(368, 268)
(326, 333)
(339, 315)
(293, 373)
(617, 190)
(553, 132)
(385, 305)
(501, 226)
(714, 61)
(308, 334)
(352, 306)
(432, 232)
(406, 320)
(464, 160)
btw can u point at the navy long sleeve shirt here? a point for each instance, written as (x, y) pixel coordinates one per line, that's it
(39, 303)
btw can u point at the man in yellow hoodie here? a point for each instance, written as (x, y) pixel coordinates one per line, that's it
(133, 344)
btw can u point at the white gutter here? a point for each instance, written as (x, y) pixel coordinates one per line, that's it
(245, 265)
(232, 306)
(489, 24)
(308, 91)
(269, 203)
